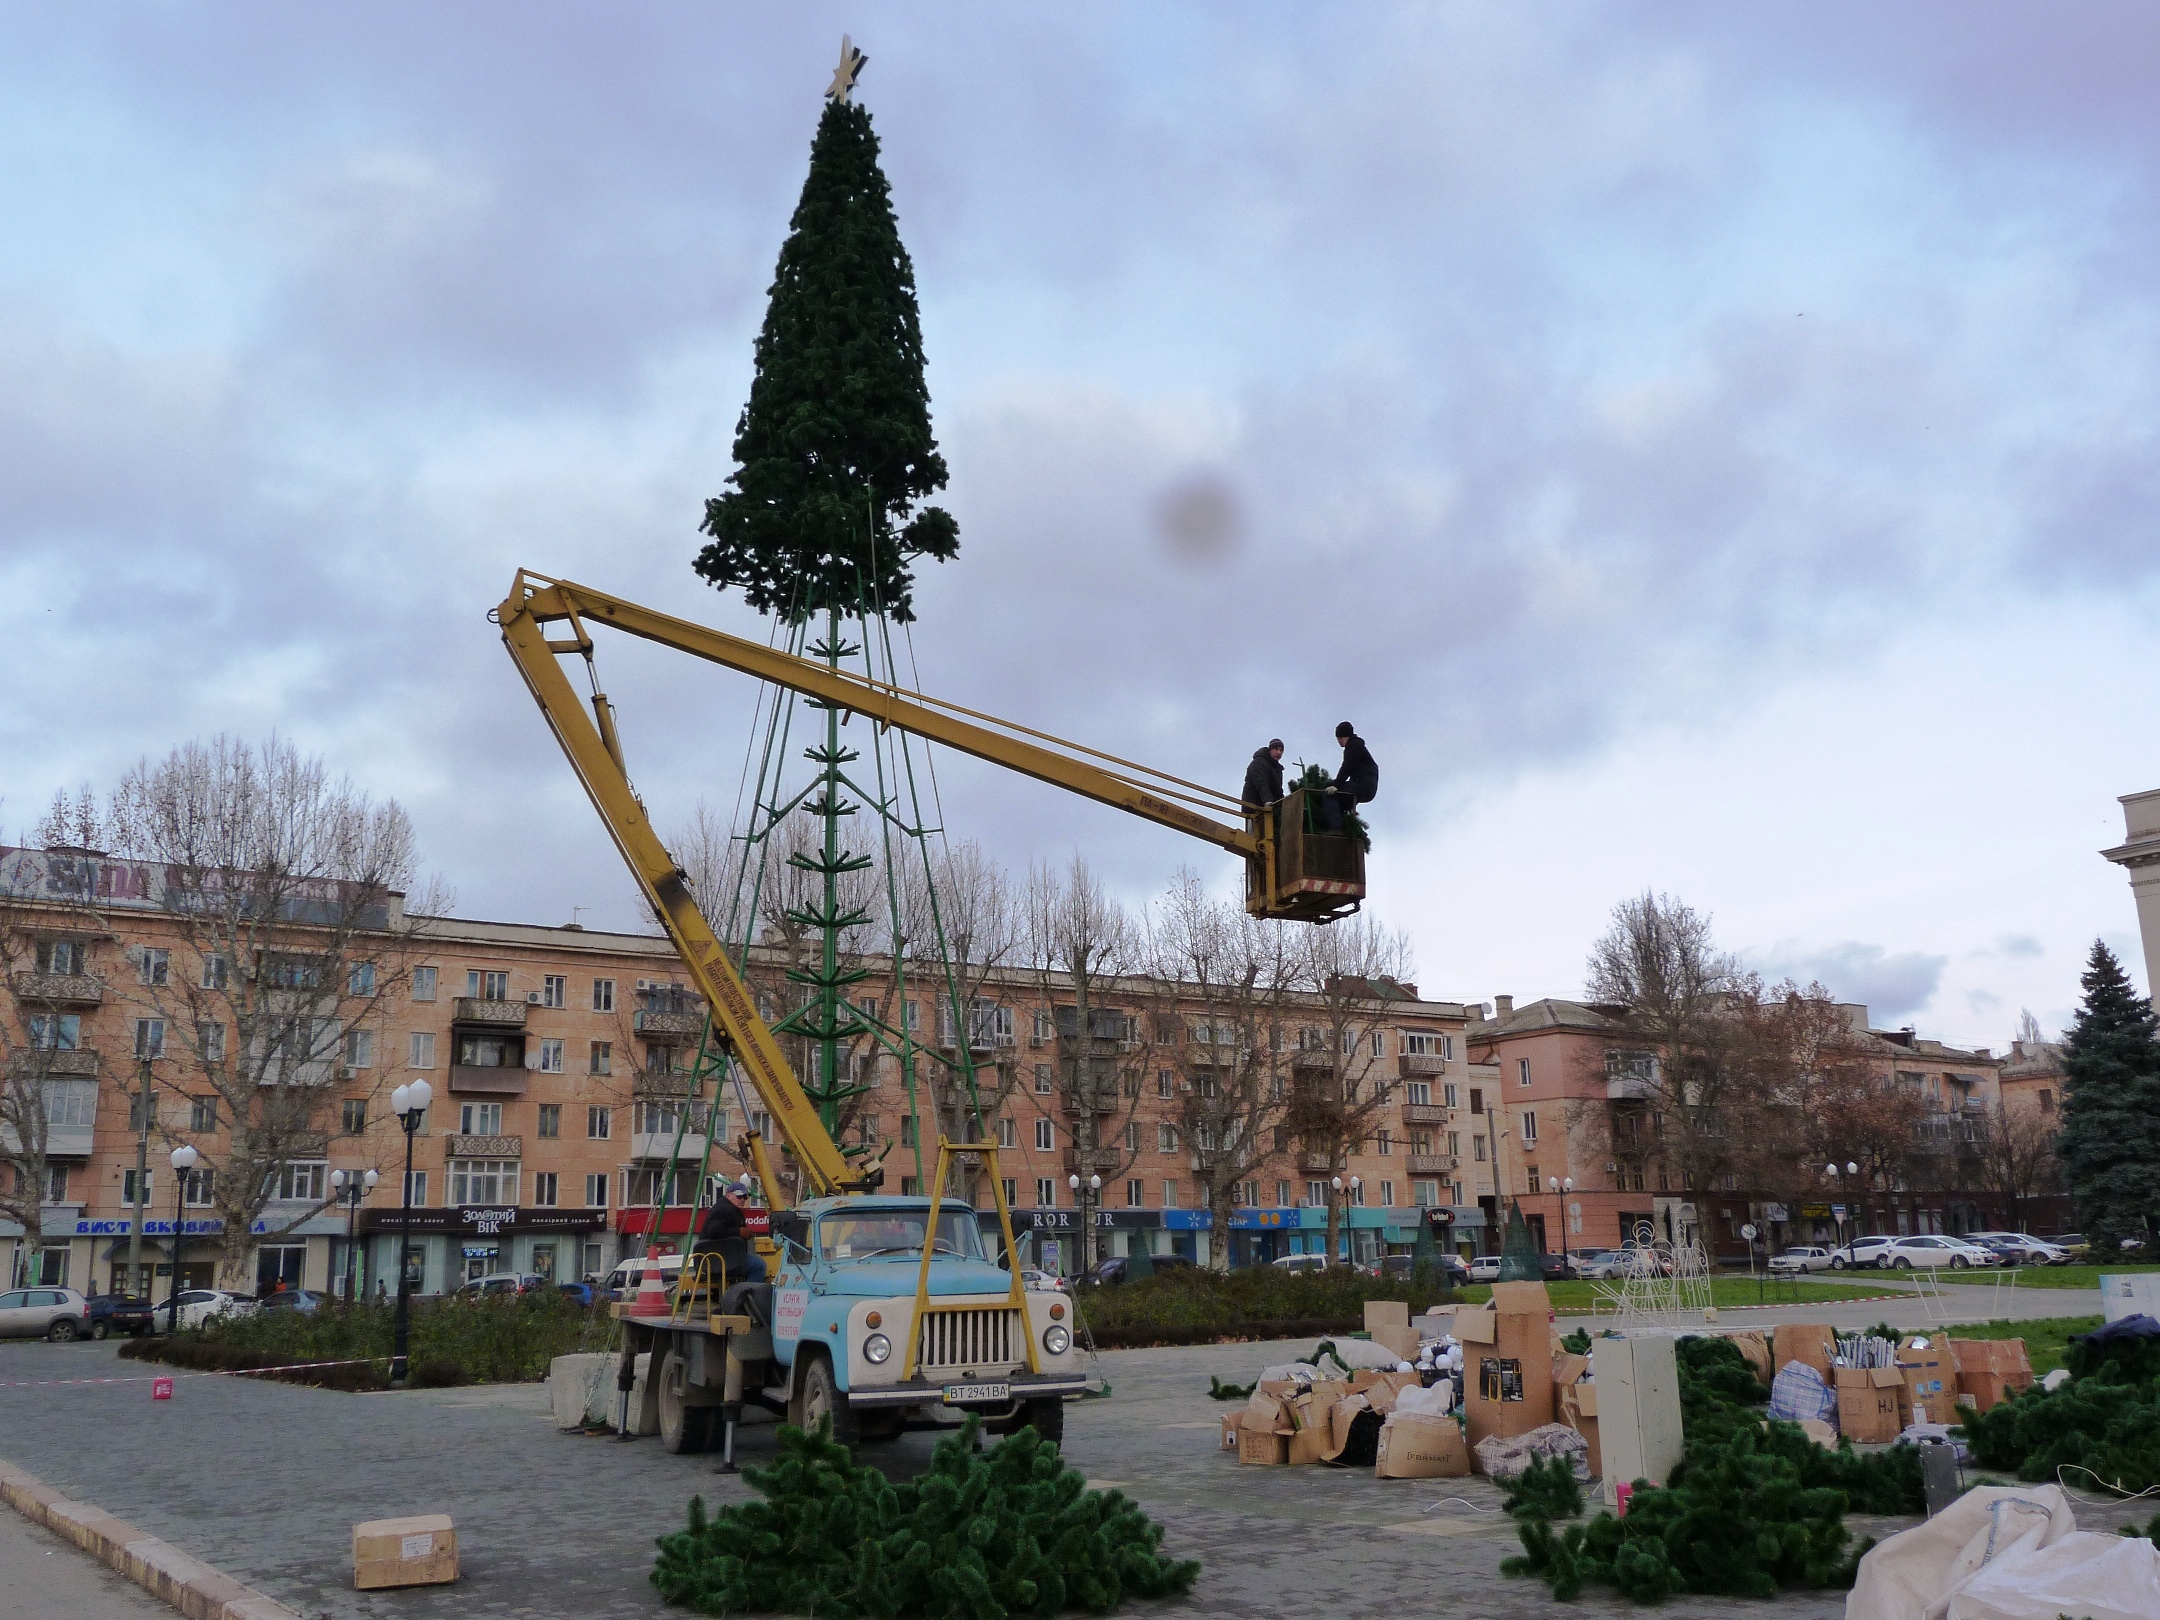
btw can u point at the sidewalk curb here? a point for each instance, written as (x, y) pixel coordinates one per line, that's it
(164, 1571)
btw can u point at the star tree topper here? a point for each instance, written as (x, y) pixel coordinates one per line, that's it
(843, 79)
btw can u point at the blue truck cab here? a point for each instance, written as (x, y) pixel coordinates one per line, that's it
(855, 1345)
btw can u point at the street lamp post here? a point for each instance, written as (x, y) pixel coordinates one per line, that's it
(409, 1103)
(1087, 1193)
(1559, 1186)
(1342, 1209)
(349, 1186)
(1844, 1196)
(183, 1160)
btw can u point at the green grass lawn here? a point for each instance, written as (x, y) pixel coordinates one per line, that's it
(1725, 1293)
(2047, 1340)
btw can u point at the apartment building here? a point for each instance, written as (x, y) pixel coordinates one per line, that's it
(1575, 1124)
(560, 1061)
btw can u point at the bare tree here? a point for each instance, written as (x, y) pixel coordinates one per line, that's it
(284, 892)
(1219, 985)
(2016, 1159)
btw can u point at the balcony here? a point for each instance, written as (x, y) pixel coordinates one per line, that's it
(661, 1145)
(1432, 1164)
(78, 1063)
(1316, 1164)
(57, 989)
(484, 1147)
(487, 1014)
(1093, 1161)
(1628, 1087)
(668, 1083)
(674, 1025)
(1423, 1063)
(1313, 1057)
(1424, 1114)
(61, 1141)
(490, 1080)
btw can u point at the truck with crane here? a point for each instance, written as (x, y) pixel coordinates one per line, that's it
(828, 1327)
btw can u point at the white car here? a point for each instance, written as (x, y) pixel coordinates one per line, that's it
(1864, 1251)
(2020, 1249)
(199, 1305)
(1909, 1253)
(1040, 1282)
(1485, 1268)
(1802, 1259)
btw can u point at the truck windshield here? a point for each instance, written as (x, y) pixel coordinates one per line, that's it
(868, 1234)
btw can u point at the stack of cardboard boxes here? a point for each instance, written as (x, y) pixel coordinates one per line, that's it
(1990, 1371)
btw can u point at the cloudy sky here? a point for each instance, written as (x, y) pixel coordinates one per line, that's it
(1707, 449)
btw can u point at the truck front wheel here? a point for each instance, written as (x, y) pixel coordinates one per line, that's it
(1046, 1418)
(819, 1399)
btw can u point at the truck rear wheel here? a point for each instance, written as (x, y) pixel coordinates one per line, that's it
(683, 1427)
(819, 1398)
(1046, 1418)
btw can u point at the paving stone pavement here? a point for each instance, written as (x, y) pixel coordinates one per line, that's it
(266, 1480)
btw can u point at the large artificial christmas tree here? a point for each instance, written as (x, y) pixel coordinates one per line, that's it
(2110, 1142)
(834, 449)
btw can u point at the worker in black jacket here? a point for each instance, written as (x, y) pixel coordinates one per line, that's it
(1358, 782)
(1263, 777)
(722, 1232)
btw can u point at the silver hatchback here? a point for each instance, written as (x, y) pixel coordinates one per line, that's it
(44, 1313)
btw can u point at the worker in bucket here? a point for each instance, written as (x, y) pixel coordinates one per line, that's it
(1263, 777)
(1358, 782)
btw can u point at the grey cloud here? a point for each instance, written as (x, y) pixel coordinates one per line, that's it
(1892, 985)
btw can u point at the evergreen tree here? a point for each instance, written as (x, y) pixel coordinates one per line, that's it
(834, 448)
(2110, 1143)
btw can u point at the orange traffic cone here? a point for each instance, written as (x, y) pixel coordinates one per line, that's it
(652, 1293)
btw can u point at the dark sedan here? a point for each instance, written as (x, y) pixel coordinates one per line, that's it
(121, 1313)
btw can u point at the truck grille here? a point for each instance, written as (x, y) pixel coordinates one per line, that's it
(987, 1338)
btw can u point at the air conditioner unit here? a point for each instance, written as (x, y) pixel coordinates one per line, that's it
(532, 998)
(644, 984)
(1612, 1168)
(349, 1072)
(1184, 1085)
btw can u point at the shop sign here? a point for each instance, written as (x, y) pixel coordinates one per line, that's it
(1246, 1220)
(486, 1220)
(201, 1228)
(1187, 1220)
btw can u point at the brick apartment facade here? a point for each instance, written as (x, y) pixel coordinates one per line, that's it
(558, 1059)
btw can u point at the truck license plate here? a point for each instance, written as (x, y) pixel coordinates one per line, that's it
(967, 1394)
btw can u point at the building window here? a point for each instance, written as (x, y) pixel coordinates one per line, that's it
(352, 1116)
(599, 1122)
(361, 980)
(603, 995)
(544, 1189)
(1418, 1093)
(1282, 1195)
(483, 1181)
(1425, 1194)
(1477, 1148)
(1132, 1136)
(910, 1131)
(1010, 1185)
(1045, 1136)
(1166, 1139)
(549, 1124)
(423, 983)
(196, 1190)
(1458, 1192)
(1316, 1193)
(1477, 1101)
(480, 1119)
(64, 957)
(1165, 1084)
(1043, 1086)
(1454, 1144)
(2047, 1100)
(482, 985)
(1169, 1195)
(1045, 1192)
(55, 1032)
(1416, 1044)
(1383, 1145)
(596, 1190)
(152, 967)
(1135, 1193)
(1447, 1095)
(359, 1049)
(1530, 1176)
(554, 992)
(420, 1050)
(70, 1102)
(659, 1060)
(56, 1180)
(129, 1184)
(149, 1037)
(601, 1059)
(211, 1038)
(214, 971)
(551, 1060)
(1008, 1134)
(1529, 1128)
(1522, 1071)
(416, 1188)
(303, 1180)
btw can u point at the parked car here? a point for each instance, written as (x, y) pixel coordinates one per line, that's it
(1450, 1268)
(1925, 1252)
(1302, 1262)
(623, 1282)
(2074, 1247)
(291, 1299)
(1112, 1271)
(502, 1282)
(1639, 1259)
(1598, 1265)
(1803, 1258)
(2019, 1248)
(1485, 1268)
(1862, 1251)
(123, 1313)
(43, 1313)
(199, 1305)
(1041, 1282)
(582, 1293)
(1556, 1268)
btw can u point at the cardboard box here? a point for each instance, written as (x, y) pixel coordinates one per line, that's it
(1575, 1404)
(1990, 1371)
(1340, 1417)
(1390, 1313)
(1413, 1447)
(1868, 1403)
(1403, 1341)
(1312, 1445)
(1263, 1449)
(1753, 1345)
(1930, 1380)
(1233, 1425)
(1437, 1323)
(1381, 1388)
(1810, 1342)
(1477, 1327)
(1266, 1414)
(418, 1551)
(1507, 1380)
(1819, 1432)
(1569, 1369)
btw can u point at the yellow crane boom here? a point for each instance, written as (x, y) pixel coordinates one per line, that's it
(1291, 873)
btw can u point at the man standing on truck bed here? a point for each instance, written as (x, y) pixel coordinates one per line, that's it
(722, 1233)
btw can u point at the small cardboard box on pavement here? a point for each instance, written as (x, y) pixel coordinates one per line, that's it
(1990, 1371)
(1810, 1342)
(1264, 1430)
(1754, 1345)
(1233, 1425)
(1507, 1374)
(1413, 1446)
(1868, 1402)
(1930, 1381)
(419, 1551)
(1263, 1448)
(1387, 1324)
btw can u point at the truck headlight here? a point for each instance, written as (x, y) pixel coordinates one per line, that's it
(1057, 1340)
(877, 1349)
